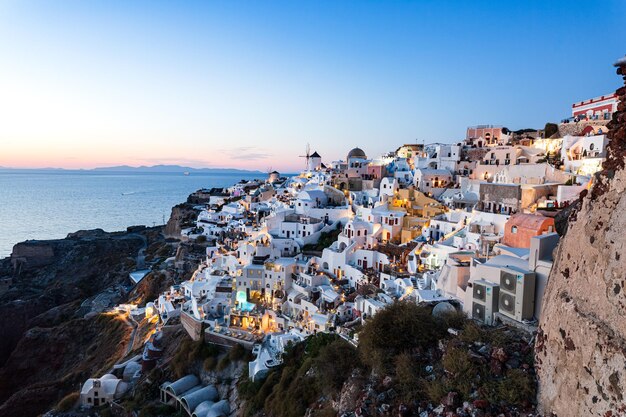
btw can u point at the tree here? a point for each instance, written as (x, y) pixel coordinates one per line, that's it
(550, 129)
(400, 327)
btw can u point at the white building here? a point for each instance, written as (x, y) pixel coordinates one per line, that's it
(99, 391)
(584, 155)
(432, 181)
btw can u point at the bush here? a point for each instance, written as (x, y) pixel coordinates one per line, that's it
(550, 129)
(398, 328)
(68, 402)
(209, 363)
(190, 352)
(471, 332)
(462, 371)
(237, 353)
(518, 388)
(325, 240)
(407, 376)
(435, 390)
(318, 365)
(334, 364)
(223, 363)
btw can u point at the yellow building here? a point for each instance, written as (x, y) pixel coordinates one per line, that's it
(416, 203)
(419, 208)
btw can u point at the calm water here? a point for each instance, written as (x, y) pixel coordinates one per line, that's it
(49, 205)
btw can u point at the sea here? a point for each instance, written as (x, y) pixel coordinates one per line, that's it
(49, 204)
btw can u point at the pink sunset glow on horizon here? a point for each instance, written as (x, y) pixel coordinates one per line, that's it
(247, 158)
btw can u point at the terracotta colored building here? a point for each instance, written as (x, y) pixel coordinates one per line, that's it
(601, 107)
(522, 227)
(484, 135)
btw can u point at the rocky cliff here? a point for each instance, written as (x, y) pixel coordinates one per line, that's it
(581, 344)
(183, 215)
(48, 344)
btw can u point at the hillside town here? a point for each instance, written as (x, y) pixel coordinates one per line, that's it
(466, 227)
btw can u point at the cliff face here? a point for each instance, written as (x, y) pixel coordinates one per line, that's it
(47, 274)
(581, 345)
(183, 215)
(47, 345)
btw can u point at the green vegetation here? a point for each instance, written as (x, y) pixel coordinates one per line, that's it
(223, 363)
(403, 342)
(550, 129)
(190, 352)
(326, 239)
(210, 363)
(68, 402)
(318, 366)
(398, 328)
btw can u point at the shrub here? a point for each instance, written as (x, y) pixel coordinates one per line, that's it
(455, 320)
(518, 388)
(407, 376)
(209, 363)
(462, 371)
(68, 402)
(435, 390)
(400, 327)
(223, 363)
(550, 129)
(472, 333)
(190, 352)
(318, 365)
(237, 352)
(325, 240)
(334, 364)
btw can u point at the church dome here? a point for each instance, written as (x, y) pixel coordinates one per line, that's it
(357, 153)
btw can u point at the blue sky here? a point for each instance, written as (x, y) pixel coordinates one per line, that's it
(248, 84)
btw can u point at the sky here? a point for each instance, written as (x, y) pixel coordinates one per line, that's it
(248, 84)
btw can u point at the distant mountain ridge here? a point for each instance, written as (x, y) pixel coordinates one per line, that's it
(145, 168)
(172, 168)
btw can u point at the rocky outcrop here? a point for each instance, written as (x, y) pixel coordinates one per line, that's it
(581, 344)
(78, 268)
(183, 215)
(50, 362)
(47, 346)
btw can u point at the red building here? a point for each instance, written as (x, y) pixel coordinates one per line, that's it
(522, 227)
(601, 107)
(484, 135)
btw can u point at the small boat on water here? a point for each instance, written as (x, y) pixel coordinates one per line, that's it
(186, 173)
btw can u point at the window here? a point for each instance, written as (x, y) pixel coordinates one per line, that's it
(513, 229)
